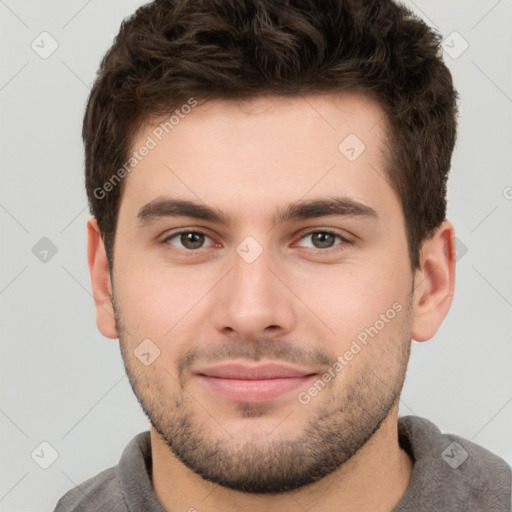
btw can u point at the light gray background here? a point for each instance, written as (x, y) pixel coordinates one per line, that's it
(63, 383)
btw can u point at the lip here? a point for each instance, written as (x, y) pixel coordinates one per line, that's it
(253, 383)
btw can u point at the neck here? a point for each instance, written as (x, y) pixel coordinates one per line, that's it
(375, 478)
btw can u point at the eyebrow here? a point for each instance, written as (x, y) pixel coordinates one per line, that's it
(300, 210)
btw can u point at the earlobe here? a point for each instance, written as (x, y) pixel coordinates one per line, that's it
(434, 282)
(100, 280)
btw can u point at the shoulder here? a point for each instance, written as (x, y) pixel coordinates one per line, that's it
(101, 492)
(121, 488)
(451, 470)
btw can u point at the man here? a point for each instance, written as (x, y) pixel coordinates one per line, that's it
(267, 182)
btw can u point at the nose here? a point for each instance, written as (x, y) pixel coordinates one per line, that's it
(251, 302)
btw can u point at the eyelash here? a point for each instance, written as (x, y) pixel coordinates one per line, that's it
(338, 247)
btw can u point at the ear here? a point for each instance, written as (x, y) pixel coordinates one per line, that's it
(100, 280)
(434, 282)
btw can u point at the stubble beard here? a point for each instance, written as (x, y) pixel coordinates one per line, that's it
(341, 423)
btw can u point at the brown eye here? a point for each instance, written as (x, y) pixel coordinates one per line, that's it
(190, 240)
(322, 239)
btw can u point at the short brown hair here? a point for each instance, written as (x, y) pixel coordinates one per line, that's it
(172, 50)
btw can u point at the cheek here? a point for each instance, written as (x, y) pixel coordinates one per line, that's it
(348, 300)
(155, 298)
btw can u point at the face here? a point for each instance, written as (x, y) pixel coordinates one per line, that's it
(262, 287)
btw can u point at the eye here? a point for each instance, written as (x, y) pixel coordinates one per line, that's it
(323, 239)
(189, 240)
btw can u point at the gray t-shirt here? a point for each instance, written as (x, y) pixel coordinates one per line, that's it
(450, 474)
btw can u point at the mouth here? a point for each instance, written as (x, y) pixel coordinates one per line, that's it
(253, 383)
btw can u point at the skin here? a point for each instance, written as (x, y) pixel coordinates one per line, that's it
(249, 160)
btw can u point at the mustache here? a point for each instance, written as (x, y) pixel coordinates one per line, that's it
(255, 350)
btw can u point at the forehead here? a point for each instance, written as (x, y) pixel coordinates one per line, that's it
(281, 147)
(303, 115)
